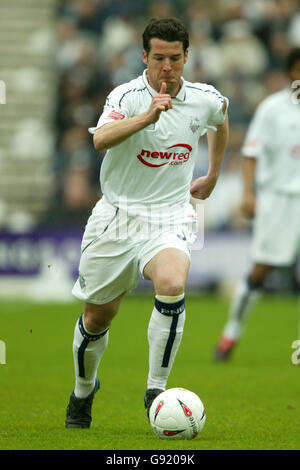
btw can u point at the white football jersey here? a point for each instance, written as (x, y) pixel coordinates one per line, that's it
(273, 138)
(155, 165)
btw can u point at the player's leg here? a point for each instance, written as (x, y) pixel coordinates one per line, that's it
(274, 243)
(89, 343)
(168, 271)
(245, 297)
(107, 270)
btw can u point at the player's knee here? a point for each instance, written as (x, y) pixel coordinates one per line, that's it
(97, 319)
(258, 275)
(94, 324)
(169, 286)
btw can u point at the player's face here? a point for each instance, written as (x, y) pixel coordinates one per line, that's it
(294, 73)
(165, 62)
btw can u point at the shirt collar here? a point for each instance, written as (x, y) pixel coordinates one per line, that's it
(180, 95)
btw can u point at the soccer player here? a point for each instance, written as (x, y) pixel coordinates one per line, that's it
(150, 128)
(271, 175)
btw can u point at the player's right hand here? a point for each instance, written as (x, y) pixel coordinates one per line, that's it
(248, 205)
(160, 102)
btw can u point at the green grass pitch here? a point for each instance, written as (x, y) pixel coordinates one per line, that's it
(252, 402)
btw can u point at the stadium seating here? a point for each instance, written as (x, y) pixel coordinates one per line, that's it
(26, 136)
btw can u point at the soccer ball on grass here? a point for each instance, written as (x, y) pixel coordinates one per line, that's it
(177, 413)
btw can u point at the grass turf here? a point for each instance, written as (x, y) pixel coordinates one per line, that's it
(252, 402)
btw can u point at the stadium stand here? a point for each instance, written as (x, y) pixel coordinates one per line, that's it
(27, 46)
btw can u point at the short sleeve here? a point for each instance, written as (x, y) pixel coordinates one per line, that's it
(258, 134)
(218, 105)
(117, 107)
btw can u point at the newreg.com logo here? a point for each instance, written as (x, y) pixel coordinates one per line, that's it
(174, 155)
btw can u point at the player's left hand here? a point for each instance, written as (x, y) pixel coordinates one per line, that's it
(202, 187)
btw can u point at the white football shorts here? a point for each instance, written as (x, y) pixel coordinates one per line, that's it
(116, 247)
(276, 229)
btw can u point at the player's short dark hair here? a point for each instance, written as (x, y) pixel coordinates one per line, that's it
(292, 57)
(167, 29)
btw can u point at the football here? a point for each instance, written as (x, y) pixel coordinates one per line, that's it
(177, 413)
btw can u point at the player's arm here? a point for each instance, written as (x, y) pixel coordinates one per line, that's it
(113, 133)
(249, 199)
(217, 140)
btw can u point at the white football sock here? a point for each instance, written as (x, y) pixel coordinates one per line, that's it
(244, 300)
(164, 336)
(88, 349)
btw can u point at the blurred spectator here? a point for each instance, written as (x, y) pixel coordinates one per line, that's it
(76, 187)
(161, 8)
(294, 30)
(121, 37)
(241, 51)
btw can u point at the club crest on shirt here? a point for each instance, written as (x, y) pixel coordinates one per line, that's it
(194, 124)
